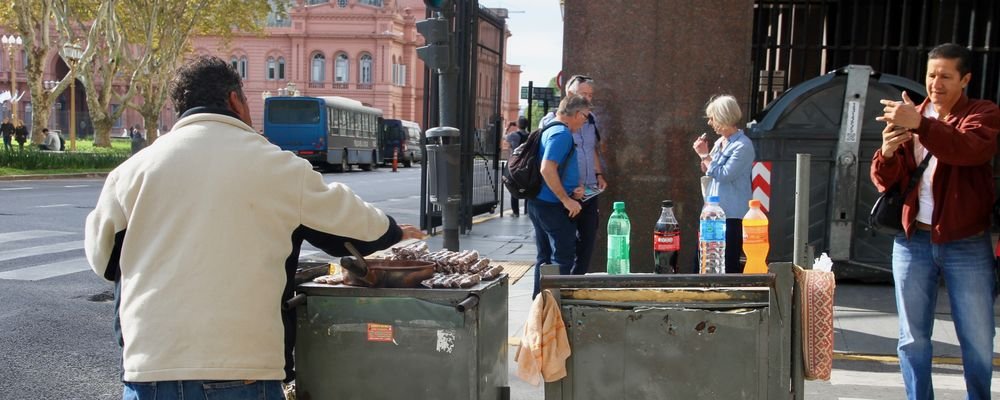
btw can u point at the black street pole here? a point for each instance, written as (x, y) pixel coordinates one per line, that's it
(531, 92)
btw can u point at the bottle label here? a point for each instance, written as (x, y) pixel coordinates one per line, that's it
(618, 247)
(755, 235)
(713, 230)
(666, 241)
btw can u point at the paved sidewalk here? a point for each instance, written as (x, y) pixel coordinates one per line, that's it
(864, 321)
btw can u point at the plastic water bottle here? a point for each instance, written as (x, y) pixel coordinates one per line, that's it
(712, 240)
(755, 241)
(619, 229)
(666, 240)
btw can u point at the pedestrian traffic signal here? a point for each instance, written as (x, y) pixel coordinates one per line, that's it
(436, 53)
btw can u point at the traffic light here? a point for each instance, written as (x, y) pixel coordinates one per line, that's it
(437, 32)
(437, 4)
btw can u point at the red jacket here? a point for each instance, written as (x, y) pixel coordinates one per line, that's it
(964, 143)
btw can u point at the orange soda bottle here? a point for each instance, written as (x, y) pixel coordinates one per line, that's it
(755, 242)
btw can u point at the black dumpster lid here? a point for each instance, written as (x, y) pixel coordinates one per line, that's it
(789, 101)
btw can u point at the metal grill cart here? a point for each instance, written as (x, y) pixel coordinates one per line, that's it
(371, 344)
(645, 336)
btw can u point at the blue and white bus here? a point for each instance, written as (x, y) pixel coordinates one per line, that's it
(327, 131)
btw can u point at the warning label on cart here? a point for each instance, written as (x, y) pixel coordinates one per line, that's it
(379, 333)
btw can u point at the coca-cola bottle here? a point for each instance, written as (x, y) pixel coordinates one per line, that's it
(666, 241)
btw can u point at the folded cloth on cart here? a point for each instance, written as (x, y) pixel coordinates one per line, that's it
(544, 343)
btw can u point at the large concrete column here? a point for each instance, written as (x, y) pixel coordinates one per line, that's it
(657, 63)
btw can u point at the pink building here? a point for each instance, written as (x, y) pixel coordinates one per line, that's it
(359, 49)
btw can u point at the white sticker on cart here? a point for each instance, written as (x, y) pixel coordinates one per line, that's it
(446, 341)
(853, 117)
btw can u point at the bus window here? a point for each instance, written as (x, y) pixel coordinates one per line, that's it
(293, 112)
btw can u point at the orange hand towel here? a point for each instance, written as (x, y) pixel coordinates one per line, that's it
(544, 344)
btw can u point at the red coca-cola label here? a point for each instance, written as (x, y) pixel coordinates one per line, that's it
(666, 241)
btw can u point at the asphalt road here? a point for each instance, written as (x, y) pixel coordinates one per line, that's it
(56, 339)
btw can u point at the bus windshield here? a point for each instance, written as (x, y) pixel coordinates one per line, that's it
(293, 112)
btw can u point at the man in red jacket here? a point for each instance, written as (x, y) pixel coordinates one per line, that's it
(946, 218)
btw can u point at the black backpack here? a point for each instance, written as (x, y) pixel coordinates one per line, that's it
(523, 176)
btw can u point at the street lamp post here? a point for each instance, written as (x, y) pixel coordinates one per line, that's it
(11, 43)
(72, 53)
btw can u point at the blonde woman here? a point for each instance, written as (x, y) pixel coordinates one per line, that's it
(729, 164)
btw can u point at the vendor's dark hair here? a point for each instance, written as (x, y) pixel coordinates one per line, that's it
(204, 82)
(953, 51)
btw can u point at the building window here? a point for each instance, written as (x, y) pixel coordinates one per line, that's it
(243, 67)
(281, 68)
(366, 68)
(318, 65)
(235, 62)
(271, 67)
(318, 1)
(342, 69)
(376, 3)
(342, 3)
(399, 74)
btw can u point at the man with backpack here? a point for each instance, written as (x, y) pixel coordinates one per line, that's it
(554, 209)
(587, 140)
(514, 139)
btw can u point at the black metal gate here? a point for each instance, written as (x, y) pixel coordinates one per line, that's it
(480, 37)
(796, 40)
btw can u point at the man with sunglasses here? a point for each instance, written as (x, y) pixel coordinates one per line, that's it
(587, 140)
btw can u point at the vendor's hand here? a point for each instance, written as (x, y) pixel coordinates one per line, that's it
(572, 207)
(411, 232)
(893, 137)
(601, 183)
(902, 114)
(578, 193)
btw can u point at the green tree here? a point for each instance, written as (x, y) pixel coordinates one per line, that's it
(161, 32)
(45, 26)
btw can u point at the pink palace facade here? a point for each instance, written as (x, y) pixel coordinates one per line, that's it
(359, 49)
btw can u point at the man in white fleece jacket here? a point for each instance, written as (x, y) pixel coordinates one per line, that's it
(201, 233)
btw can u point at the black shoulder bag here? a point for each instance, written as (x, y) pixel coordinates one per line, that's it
(887, 213)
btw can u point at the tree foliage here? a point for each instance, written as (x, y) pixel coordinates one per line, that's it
(161, 31)
(135, 44)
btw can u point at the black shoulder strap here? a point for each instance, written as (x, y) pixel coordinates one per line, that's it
(917, 173)
(590, 118)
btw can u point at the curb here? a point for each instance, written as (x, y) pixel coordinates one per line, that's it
(53, 176)
(891, 359)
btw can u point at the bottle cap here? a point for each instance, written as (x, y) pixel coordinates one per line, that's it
(713, 199)
(754, 203)
(668, 203)
(619, 206)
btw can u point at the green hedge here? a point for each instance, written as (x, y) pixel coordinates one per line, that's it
(39, 160)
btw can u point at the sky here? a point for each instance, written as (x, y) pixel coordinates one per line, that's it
(535, 43)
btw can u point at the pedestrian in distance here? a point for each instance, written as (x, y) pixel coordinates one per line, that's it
(20, 134)
(51, 141)
(7, 130)
(202, 250)
(729, 164)
(137, 139)
(514, 138)
(587, 140)
(946, 218)
(554, 210)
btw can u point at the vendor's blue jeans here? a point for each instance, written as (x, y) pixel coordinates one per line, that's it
(203, 390)
(555, 237)
(968, 271)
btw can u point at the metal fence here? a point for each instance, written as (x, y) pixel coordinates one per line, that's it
(480, 47)
(795, 40)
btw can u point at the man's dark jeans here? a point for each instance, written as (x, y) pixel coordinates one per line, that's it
(555, 238)
(586, 232)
